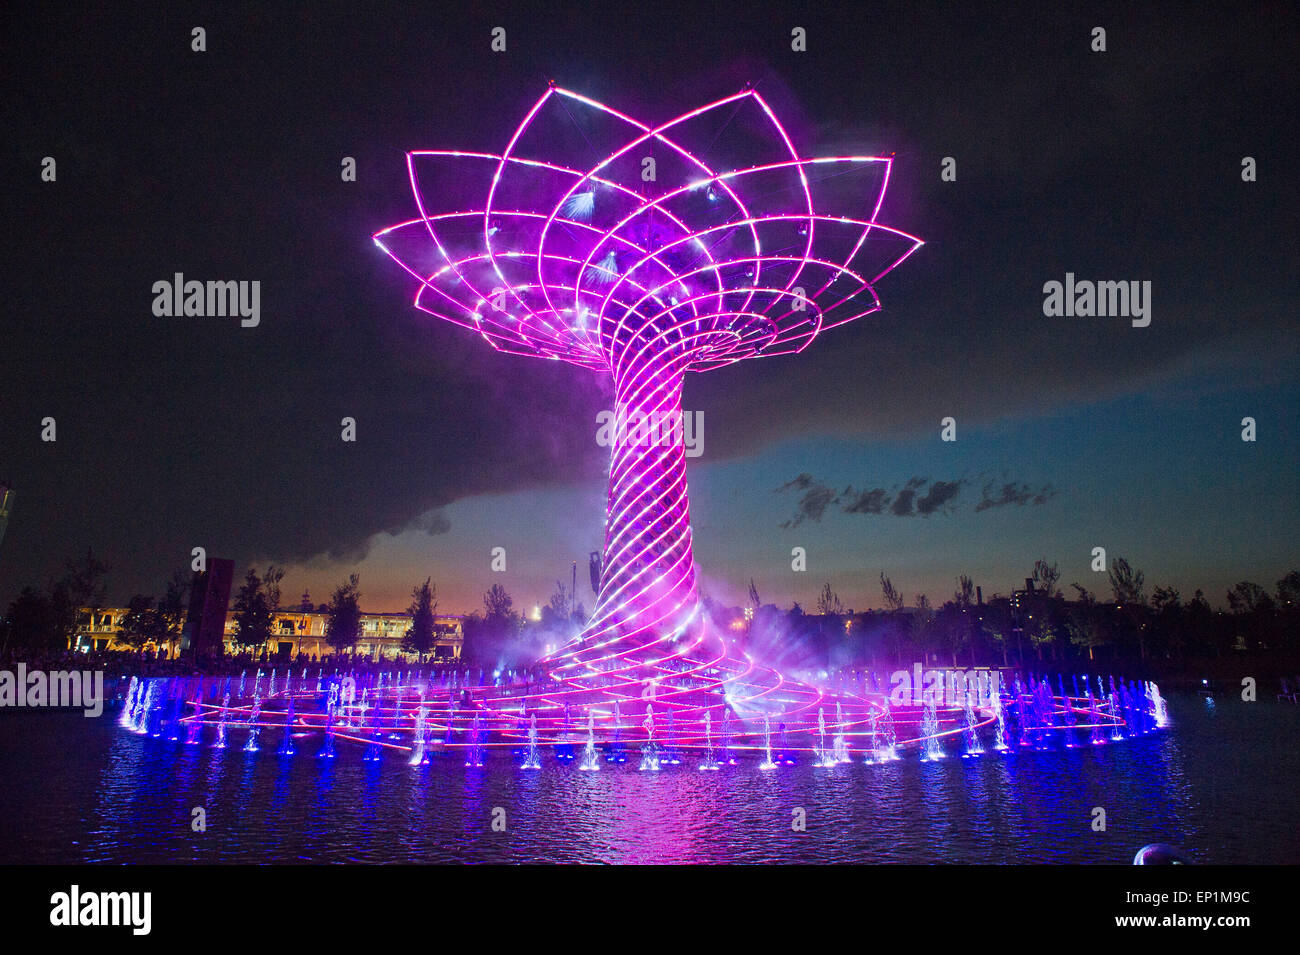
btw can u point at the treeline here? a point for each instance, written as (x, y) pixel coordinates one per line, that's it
(257, 602)
(45, 619)
(1045, 624)
(500, 636)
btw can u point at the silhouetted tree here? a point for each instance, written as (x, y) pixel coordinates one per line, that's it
(255, 606)
(1199, 624)
(559, 604)
(139, 624)
(419, 638)
(343, 627)
(894, 628)
(1084, 623)
(1288, 590)
(1125, 582)
(999, 624)
(1045, 577)
(960, 629)
(497, 602)
(828, 601)
(921, 626)
(169, 615)
(893, 599)
(1253, 615)
(1130, 602)
(77, 595)
(492, 639)
(31, 623)
(1167, 634)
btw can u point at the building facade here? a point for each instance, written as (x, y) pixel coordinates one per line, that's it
(295, 632)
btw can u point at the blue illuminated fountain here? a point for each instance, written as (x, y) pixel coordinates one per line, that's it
(825, 757)
(286, 744)
(590, 758)
(888, 751)
(709, 762)
(533, 760)
(221, 722)
(840, 751)
(1025, 713)
(973, 745)
(374, 752)
(418, 757)
(194, 727)
(933, 749)
(254, 724)
(127, 719)
(768, 762)
(327, 751)
(474, 754)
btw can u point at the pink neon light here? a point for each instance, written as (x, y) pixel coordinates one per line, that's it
(646, 281)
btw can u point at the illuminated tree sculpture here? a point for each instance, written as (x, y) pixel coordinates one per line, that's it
(645, 253)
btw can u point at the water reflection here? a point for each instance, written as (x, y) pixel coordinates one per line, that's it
(80, 790)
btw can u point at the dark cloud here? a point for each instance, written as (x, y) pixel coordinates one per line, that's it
(902, 506)
(1012, 493)
(174, 433)
(814, 501)
(961, 331)
(433, 523)
(873, 501)
(940, 493)
(800, 483)
(912, 499)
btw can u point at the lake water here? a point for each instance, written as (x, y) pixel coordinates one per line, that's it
(1221, 784)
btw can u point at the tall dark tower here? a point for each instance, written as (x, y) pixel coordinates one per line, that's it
(6, 502)
(205, 626)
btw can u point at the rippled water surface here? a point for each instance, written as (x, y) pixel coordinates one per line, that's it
(1221, 784)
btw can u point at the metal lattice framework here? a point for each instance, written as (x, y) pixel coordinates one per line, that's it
(645, 253)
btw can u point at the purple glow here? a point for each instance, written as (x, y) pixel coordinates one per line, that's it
(645, 263)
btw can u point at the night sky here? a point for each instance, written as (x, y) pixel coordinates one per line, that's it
(1073, 433)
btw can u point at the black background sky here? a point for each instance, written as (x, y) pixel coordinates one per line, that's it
(225, 164)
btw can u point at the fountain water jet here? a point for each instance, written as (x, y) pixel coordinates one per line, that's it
(825, 758)
(841, 746)
(973, 745)
(708, 763)
(254, 724)
(590, 758)
(327, 750)
(534, 758)
(127, 719)
(286, 744)
(474, 753)
(931, 748)
(418, 757)
(650, 752)
(768, 762)
(888, 751)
